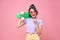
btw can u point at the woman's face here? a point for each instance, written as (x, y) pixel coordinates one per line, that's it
(32, 13)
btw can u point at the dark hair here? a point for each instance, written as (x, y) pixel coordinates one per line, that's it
(32, 6)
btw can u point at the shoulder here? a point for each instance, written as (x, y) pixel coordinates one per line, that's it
(28, 19)
(39, 20)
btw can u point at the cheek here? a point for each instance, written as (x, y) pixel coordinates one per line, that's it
(35, 14)
(30, 14)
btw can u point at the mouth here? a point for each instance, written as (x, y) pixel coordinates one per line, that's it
(33, 16)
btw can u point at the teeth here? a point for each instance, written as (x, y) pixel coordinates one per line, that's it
(22, 18)
(22, 12)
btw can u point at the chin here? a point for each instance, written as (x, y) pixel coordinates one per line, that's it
(33, 16)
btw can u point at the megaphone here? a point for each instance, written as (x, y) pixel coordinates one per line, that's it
(23, 15)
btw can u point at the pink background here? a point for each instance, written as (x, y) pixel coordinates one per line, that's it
(49, 12)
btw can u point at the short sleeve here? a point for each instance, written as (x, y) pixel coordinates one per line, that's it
(40, 22)
(25, 21)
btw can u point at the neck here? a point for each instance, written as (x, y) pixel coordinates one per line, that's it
(34, 18)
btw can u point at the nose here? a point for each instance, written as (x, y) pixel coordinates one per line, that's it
(33, 13)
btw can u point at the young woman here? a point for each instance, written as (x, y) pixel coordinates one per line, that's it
(33, 25)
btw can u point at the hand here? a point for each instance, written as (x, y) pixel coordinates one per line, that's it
(35, 21)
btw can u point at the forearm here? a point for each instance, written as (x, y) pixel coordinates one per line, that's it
(37, 30)
(20, 23)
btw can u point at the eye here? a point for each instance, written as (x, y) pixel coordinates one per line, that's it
(31, 12)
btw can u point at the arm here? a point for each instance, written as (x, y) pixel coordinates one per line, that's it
(38, 28)
(20, 23)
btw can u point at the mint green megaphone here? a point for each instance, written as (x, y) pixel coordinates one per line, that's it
(23, 14)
